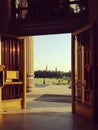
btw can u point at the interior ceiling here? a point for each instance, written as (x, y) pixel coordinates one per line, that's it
(49, 16)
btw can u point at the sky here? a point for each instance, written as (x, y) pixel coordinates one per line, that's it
(53, 51)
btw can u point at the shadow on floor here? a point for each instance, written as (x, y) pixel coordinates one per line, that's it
(54, 98)
(41, 85)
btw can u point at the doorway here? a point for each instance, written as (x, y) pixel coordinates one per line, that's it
(52, 60)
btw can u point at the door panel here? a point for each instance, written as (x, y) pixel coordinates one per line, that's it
(84, 72)
(13, 51)
(13, 61)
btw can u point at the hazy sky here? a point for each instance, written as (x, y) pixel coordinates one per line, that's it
(53, 51)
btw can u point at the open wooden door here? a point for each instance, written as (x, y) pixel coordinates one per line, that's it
(13, 57)
(83, 72)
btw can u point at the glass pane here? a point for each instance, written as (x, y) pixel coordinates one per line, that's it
(21, 3)
(75, 7)
(22, 11)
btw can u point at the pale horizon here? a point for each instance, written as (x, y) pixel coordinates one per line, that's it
(53, 51)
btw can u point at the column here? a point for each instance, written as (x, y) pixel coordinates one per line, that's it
(30, 63)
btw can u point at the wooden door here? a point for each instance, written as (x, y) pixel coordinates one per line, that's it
(13, 58)
(83, 72)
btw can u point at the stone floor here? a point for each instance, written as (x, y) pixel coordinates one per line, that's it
(48, 108)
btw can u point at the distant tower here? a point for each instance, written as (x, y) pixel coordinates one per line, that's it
(56, 69)
(46, 67)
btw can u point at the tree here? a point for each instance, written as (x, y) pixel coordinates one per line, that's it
(52, 74)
